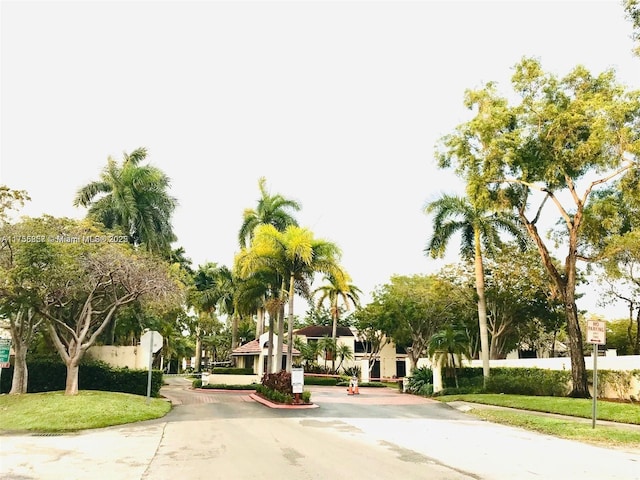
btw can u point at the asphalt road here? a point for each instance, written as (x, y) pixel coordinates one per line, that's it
(379, 434)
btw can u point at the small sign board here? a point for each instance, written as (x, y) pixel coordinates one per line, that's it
(146, 339)
(297, 379)
(5, 350)
(596, 332)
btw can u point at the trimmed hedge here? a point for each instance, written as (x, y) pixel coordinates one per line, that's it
(324, 381)
(232, 371)
(50, 374)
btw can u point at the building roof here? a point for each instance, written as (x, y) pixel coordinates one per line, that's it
(314, 331)
(253, 348)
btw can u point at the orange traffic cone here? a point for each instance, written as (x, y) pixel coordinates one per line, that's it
(349, 390)
(355, 390)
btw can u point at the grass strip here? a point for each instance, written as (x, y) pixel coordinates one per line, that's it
(575, 407)
(56, 412)
(573, 430)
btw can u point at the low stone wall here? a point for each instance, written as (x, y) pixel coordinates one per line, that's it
(218, 379)
(130, 357)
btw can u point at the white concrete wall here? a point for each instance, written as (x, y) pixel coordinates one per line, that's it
(131, 357)
(219, 379)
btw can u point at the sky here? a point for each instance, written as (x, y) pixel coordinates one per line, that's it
(339, 105)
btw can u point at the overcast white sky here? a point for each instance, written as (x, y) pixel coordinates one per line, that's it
(338, 104)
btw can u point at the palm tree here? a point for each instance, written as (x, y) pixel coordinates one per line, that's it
(449, 344)
(271, 210)
(337, 288)
(328, 347)
(343, 352)
(480, 228)
(134, 198)
(296, 256)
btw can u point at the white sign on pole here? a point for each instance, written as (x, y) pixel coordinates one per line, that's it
(297, 380)
(596, 332)
(146, 338)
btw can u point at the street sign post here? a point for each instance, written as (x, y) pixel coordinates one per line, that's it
(5, 353)
(151, 341)
(596, 335)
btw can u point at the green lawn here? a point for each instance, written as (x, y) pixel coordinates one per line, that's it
(580, 430)
(55, 412)
(576, 407)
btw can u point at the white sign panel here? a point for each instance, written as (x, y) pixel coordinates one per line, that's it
(297, 380)
(596, 332)
(146, 339)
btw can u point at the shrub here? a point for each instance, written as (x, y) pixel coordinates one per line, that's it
(196, 383)
(230, 387)
(232, 371)
(354, 371)
(280, 382)
(48, 374)
(419, 378)
(326, 381)
(274, 395)
(529, 381)
(306, 396)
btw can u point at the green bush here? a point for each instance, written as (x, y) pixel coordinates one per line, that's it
(232, 371)
(48, 374)
(529, 381)
(306, 396)
(325, 381)
(419, 377)
(196, 383)
(274, 395)
(230, 387)
(280, 382)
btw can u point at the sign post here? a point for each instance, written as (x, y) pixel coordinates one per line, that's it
(5, 352)
(153, 341)
(297, 383)
(596, 335)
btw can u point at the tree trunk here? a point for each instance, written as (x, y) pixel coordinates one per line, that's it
(482, 306)
(280, 339)
(71, 387)
(290, 325)
(20, 369)
(270, 345)
(334, 335)
(198, 359)
(636, 348)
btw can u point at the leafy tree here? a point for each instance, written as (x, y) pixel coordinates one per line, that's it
(271, 210)
(416, 307)
(22, 321)
(563, 131)
(78, 284)
(632, 10)
(479, 227)
(135, 198)
(372, 322)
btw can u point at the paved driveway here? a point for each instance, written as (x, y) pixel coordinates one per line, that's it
(379, 434)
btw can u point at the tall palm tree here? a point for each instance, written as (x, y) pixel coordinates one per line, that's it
(134, 198)
(338, 288)
(295, 255)
(271, 210)
(480, 229)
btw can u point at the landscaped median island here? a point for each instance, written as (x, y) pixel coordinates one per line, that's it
(57, 412)
(529, 416)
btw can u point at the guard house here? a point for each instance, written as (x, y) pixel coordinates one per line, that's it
(254, 354)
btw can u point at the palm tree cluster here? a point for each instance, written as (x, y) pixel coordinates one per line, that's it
(133, 198)
(281, 259)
